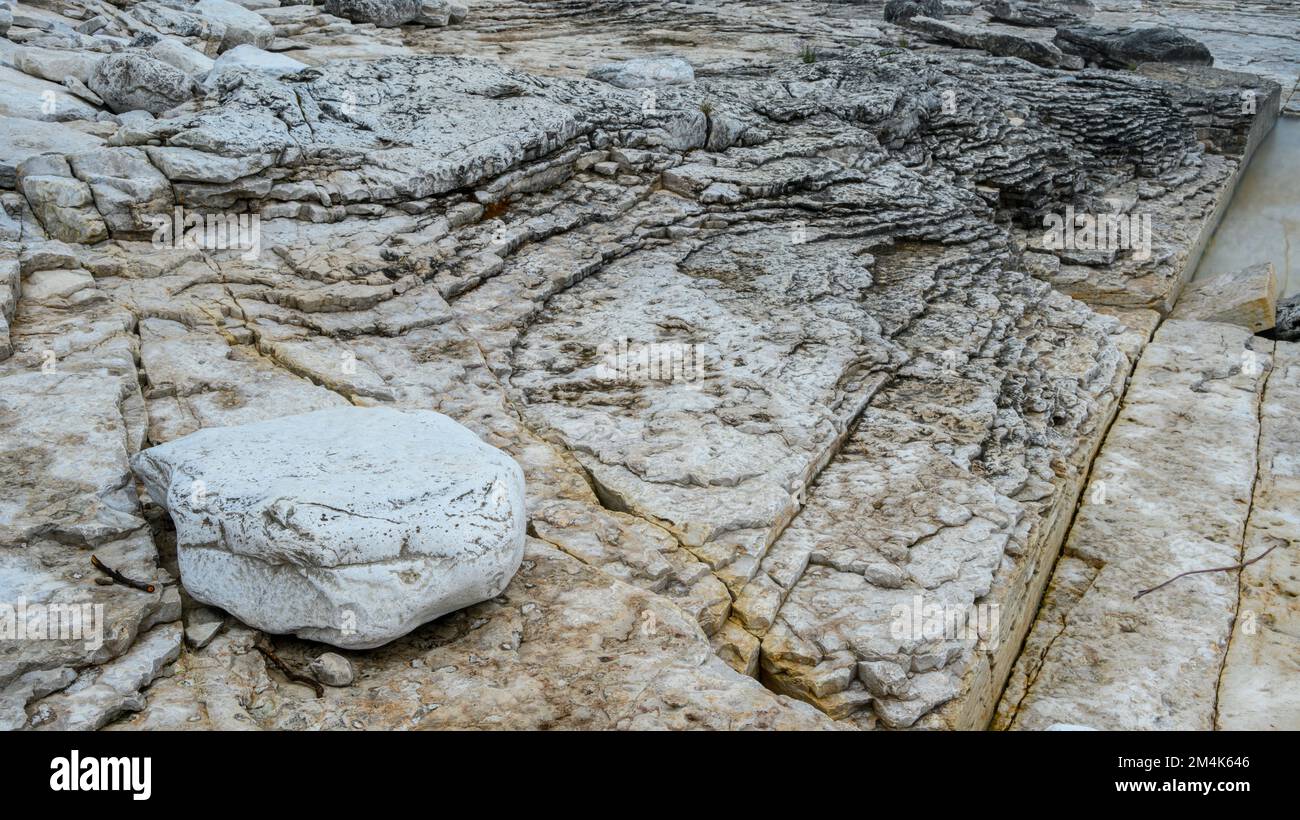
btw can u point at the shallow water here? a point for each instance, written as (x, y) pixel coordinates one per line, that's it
(1263, 220)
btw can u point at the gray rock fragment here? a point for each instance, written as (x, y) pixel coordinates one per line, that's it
(1127, 47)
(265, 62)
(1030, 14)
(241, 25)
(382, 13)
(645, 72)
(29, 687)
(333, 669)
(103, 693)
(22, 138)
(130, 81)
(54, 64)
(93, 24)
(389, 544)
(202, 625)
(994, 42)
(896, 11)
(1246, 297)
(175, 53)
(1287, 328)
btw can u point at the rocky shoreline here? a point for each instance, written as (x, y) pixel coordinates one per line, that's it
(758, 297)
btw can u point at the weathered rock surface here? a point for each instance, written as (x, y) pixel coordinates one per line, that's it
(830, 241)
(33, 98)
(1001, 44)
(392, 13)
(1035, 13)
(310, 525)
(266, 62)
(897, 11)
(21, 139)
(131, 82)
(1247, 297)
(70, 416)
(193, 63)
(55, 64)
(645, 72)
(1169, 493)
(1169, 221)
(1257, 689)
(241, 26)
(64, 204)
(383, 13)
(1126, 47)
(202, 625)
(1287, 324)
(108, 691)
(564, 647)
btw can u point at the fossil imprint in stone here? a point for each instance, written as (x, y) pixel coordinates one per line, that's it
(548, 365)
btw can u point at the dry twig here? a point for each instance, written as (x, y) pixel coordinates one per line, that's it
(264, 647)
(1242, 565)
(119, 577)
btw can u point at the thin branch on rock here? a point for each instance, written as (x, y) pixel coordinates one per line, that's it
(264, 646)
(143, 586)
(1242, 565)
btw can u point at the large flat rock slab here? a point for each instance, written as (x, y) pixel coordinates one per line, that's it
(1169, 493)
(820, 235)
(939, 506)
(1258, 688)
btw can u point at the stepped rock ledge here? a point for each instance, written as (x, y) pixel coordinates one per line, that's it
(582, 365)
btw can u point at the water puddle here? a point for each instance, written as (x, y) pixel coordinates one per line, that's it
(1263, 220)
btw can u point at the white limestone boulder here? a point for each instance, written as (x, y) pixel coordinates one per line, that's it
(132, 81)
(645, 72)
(178, 55)
(241, 25)
(350, 526)
(269, 63)
(54, 64)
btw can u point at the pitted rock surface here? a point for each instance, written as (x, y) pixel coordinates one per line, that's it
(882, 390)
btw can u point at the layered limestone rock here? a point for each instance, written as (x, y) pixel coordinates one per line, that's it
(1117, 48)
(1287, 325)
(71, 415)
(1032, 13)
(1170, 493)
(705, 312)
(564, 647)
(1247, 297)
(999, 43)
(1138, 245)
